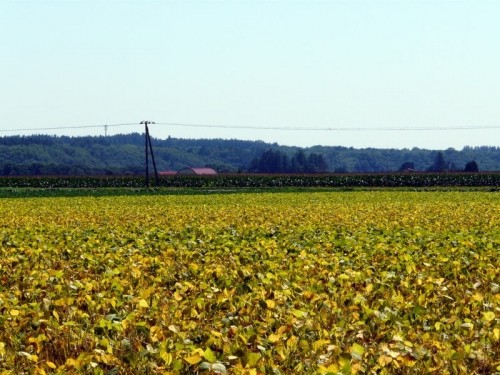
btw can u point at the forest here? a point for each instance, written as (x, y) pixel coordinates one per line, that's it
(124, 154)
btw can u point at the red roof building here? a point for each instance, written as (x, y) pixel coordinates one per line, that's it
(198, 171)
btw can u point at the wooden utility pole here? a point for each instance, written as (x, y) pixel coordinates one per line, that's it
(147, 142)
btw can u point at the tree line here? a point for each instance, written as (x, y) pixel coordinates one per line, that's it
(275, 161)
(123, 154)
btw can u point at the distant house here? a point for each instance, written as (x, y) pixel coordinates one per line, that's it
(197, 171)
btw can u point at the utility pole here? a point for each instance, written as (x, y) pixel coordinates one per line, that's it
(147, 142)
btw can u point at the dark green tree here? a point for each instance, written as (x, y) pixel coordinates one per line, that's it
(316, 163)
(299, 162)
(471, 166)
(439, 164)
(271, 161)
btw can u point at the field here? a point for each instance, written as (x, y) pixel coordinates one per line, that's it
(251, 283)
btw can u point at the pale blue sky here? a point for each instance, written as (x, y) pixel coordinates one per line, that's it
(318, 64)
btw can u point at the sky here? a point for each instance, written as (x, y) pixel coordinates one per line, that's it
(374, 73)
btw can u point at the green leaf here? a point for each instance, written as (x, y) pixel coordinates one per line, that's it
(357, 352)
(209, 355)
(252, 359)
(219, 368)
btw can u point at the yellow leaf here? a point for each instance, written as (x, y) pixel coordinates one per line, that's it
(14, 312)
(320, 343)
(37, 343)
(283, 329)
(488, 316)
(194, 359)
(72, 362)
(51, 365)
(384, 360)
(270, 303)
(56, 315)
(308, 294)
(143, 303)
(273, 337)
(437, 344)
(292, 341)
(216, 334)
(496, 335)
(408, 362)
(356, 367)
(107, 359)
(478, 297)
(198, 351)
(167, 357)
(281, 353)
(177, 296)
(333, 368)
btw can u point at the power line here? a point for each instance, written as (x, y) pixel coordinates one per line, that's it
(64, 127)
(303, 128)
(281, 128)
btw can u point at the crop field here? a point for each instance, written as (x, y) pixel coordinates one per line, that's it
(251, 283)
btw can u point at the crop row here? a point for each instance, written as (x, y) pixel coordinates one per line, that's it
(262, 181)
(270, 283)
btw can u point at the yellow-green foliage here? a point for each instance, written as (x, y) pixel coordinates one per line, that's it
(279, 283)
